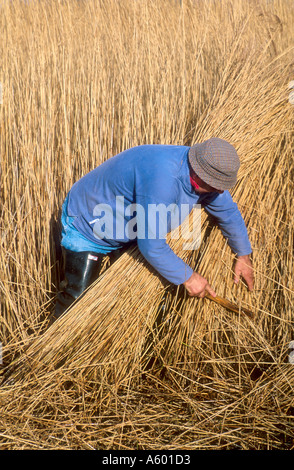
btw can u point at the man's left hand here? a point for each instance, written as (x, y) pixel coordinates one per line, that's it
(243, 268)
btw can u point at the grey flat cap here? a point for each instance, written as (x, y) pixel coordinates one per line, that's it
(216, 162)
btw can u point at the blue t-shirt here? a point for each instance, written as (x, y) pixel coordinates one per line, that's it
(116, 203)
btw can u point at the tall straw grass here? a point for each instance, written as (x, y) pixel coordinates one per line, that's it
(83, 80)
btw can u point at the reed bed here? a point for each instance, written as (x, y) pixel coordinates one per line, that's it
(136, 363)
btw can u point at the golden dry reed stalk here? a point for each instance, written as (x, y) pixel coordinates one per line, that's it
(136, 363)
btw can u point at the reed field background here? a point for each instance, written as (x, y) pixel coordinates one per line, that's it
(136, 363)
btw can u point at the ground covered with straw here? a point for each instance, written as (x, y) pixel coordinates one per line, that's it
(136, 364)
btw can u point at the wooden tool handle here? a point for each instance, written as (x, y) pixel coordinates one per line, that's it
(229, 305)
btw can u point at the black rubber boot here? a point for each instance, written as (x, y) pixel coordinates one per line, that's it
(81, 269)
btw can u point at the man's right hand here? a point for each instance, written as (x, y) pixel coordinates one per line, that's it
(197, 286)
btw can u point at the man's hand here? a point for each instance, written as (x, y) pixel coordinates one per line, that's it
(243, 268)
(197, 286)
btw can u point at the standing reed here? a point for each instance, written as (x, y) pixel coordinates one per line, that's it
(81, 81)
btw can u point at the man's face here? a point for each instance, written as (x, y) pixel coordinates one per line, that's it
(202, 186)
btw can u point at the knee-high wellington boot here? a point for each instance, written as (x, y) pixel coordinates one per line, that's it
(81, 269)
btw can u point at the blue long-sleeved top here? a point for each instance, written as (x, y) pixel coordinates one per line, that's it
(103, 202)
